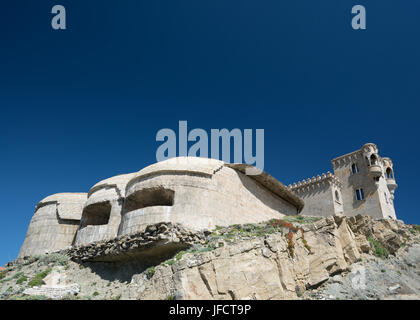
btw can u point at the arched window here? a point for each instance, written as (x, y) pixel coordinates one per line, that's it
(389, 174)
(337, 196)
(373, 160)
(354, 168)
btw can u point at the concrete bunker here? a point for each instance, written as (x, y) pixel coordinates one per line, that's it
(54, 223)
(201, 193)
(198, 193)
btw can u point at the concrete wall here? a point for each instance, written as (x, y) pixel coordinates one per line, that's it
(196, 192)
(102, 211)
(199, 195)
(54, 224)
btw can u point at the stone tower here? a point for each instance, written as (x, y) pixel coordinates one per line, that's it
(363, 183)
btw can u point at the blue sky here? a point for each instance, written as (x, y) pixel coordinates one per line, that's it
(84, 104)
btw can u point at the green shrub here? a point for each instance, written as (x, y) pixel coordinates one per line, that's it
(17, 275)
(179, 255)
(170, 297)
(150, 272)
(378, 250)
(96, 293)
(22, 279)
(117, 297)
(170, 262)
(37, 280)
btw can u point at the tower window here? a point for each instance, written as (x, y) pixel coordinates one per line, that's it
(389, 174)
(337, 196)
(359, 194)
(373, 160)
(354, 168)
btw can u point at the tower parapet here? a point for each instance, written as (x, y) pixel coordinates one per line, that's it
(314, 182)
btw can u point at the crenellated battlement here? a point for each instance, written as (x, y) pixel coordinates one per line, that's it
(315, 182)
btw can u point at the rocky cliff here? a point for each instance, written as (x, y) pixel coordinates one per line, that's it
(296, 258)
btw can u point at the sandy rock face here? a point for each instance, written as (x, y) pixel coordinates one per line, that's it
(278, 259)
(264, 268)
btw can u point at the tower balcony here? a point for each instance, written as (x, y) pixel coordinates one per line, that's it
(375, 170)
(392, 185)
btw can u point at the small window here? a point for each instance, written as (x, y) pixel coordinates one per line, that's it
(373, 160)
(354, 168)
(386, 198)
(337, 196)
(389, 174)
(359, 194)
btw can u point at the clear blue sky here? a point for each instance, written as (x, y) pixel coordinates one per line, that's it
(84, 104)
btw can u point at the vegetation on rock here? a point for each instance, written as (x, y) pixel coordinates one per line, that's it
(37, 280)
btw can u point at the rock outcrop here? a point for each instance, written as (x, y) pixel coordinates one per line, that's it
(278, 259)
(271, 267)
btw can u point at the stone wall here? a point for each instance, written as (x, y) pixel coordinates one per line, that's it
(322, 195)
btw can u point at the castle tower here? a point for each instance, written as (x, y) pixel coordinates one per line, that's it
(368, 182)
(362, 183)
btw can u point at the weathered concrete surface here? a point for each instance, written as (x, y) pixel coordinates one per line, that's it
(102, 211)
(196, 192)
(200, 194)
(54, 223)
